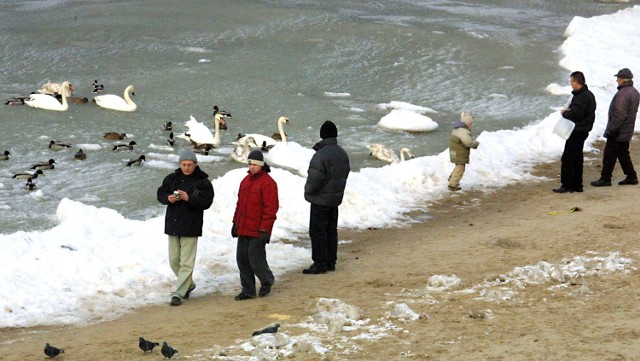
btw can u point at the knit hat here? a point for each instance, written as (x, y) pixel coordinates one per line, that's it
(187, 154)
(328, 130)
(466, 118)
(624, 73)
(256, 157)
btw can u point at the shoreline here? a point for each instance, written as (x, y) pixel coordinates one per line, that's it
(471, 234)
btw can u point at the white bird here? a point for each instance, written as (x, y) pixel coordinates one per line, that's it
(114, 102)
(267, 142)
(386, 154)
(52, 88)
(242, 149)
(49, 102)
(199, 134)
(290, 155)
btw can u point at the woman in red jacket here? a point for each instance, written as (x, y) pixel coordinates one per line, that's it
(252, 223)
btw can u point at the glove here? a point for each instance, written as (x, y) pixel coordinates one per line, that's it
(234, 231)
(265, 237)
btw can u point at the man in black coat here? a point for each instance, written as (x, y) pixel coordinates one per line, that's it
(186, 192)
(327, 177)
(581, 111)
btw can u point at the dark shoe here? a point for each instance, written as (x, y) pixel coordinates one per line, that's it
(628, 181)
(562, 190)
(579, 190)
(454, 189)
(186, 295)
(601, 183)
(331, 267)
(314, 270)
(264, 290)
(242, 296)
(176, 301)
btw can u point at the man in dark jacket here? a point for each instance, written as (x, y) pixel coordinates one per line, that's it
(187, 192)
(582, 112)
(252, 223)
(620, 127)
(324, 189)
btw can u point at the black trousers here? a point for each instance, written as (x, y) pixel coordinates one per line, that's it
(613, 151)
(573, 161)
(251, 257)
(323, 230)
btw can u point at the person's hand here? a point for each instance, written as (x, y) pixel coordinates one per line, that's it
(265, 237)
(234, 231)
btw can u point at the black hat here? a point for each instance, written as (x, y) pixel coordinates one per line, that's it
(625, 73)
(256, 157)
(328, 130)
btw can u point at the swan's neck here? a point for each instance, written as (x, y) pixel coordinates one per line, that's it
(127, 98)
(281, 130)
(216, 134)
(402, 151)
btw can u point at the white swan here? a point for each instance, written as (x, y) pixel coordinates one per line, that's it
(290, 155)
(114, 102)
(52, 88)
(242, 149)
(267, 142)
(49, 102)
(199, 134)
(386, 154)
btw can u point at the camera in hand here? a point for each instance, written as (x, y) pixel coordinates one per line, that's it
(176, 194)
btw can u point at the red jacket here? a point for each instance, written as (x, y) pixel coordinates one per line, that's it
(257, 205)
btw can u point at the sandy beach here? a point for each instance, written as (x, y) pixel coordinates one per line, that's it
(478, 237)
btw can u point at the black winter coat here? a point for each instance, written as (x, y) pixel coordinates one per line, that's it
(622, 113)
(184, 218)
(582, 110)
(327, 174)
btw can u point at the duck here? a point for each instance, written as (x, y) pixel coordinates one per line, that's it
(223, 116)
(383, 153)
(114, 102)
(17, 100)
(242, 149)
(124, 147)
(115, 136)
(27, 175)
(199, 134)
(80, 155)
(265, 141)
(202, 148)
(5, 155)
(74, 100)
(29, 186)
(168, 126)
(97, 88)
(55, 145)
(49, 102)
(52, 88)
(44, 165)
(136, 162)
(171, 142)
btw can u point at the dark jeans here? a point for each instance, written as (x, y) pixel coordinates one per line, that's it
(323, 230)
(573, 161)
(616, 151)
(251, 258)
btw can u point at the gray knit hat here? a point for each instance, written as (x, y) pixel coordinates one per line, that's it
(188, 154)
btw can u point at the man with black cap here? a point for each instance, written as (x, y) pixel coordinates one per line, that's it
(620, 127)
(324, 189)
(186, 192)
(252, 224)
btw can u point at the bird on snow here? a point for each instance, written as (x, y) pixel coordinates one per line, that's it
(270, 329)
(44, 165)
(167, 351)
(52, 351)
(124, 147)
(147, 346)
(136, 162)
(5, 155)
(80, 155)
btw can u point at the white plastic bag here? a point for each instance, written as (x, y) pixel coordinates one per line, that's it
(563, 128)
